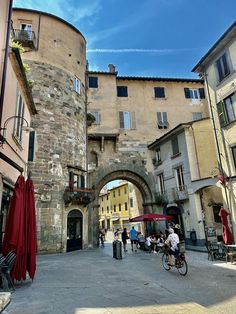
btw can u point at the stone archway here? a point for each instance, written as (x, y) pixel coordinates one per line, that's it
(129, 172)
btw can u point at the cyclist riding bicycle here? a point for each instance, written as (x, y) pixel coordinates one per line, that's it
(172, 241)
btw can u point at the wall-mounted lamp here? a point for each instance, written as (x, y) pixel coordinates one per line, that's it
(3, 129)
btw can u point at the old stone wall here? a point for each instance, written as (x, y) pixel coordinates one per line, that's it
(60, 140)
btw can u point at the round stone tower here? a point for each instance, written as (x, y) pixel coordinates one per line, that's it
(56, 54)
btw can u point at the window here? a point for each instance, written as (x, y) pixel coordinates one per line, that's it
(194, 93)
(76, 85)
(107, 197)
(158, 154)
(102, 209)
(119, 192)
(93, 82)
(234, 155)
(161, 184)
(31, 146)
(131, 202)
(222, 66)
(126, 206)
(107, 209)
(127, 120)
(76, 180)
(97, 117)
(216, 210)
(20, 107)
(114, 208)
(179, 178)
(114, 193)
(26, 31)
(122, 91)
(159, 92)
(102, 198)
(119, 207)
(175, 146)
(227, 110)
(162, 121)
(125, 190)
(197, 116)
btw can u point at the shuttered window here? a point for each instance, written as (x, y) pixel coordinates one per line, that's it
(20, 108)
(194, 93)
(93, 82)
(227, 110)
(222, 66)
(122, 91)
(97, 117)
(159, 92)
(31, 146)
(175, 146)
(234, 155)
(162, 121)
(127, 120)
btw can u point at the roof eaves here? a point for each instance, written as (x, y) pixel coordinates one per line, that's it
(212, 49)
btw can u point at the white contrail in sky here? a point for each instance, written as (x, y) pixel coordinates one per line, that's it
(128, 50)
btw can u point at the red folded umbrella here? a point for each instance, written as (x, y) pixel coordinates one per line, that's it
(14, 239)
(226, 232)
(30, 223)
(150, 217)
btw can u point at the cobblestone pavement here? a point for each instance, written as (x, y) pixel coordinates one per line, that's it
(91, 281)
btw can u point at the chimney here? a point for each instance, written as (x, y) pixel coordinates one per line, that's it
(112, 68)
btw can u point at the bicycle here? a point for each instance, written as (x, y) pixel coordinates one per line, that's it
(180, 262)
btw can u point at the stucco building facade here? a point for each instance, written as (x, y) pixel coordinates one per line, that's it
(218, 67)
(183, 176)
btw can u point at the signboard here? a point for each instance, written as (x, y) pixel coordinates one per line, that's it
(211, 231)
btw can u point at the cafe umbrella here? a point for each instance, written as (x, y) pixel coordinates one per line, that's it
(226, 232)
(14, 238)
(30, 228)
(151, 217)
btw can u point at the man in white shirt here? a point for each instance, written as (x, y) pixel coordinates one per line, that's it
(172, 241)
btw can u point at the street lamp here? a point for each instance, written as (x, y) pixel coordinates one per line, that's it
(3, 129)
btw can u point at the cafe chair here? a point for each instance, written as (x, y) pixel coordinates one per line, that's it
(231, 255)
(5, 271)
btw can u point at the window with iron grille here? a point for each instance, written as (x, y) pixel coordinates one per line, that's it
(93, 82)
(122, 91)
(159, 92)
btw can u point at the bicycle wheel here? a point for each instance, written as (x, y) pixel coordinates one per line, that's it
(182, 267)
(165, 262)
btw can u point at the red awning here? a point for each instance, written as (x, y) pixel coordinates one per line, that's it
(151, 217)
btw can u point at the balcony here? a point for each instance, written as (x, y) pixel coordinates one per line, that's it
(24, 37)
(161, 199)
(180, 193)
(78, 196)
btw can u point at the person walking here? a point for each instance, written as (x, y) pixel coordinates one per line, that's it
(124, 238)
(133, 238)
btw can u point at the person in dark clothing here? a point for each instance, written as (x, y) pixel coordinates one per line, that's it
(124, 237)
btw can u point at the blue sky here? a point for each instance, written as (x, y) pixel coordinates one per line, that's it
(144, 37)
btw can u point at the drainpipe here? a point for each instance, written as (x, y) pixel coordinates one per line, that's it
(5, 59)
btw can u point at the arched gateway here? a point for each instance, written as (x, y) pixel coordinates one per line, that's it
(130, 172)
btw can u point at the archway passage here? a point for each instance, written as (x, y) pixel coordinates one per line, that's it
(74, 231)
(131, 173)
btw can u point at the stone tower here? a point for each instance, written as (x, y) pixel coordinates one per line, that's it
(56, 54)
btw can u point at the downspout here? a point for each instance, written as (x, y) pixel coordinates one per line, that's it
(5, 60)
(195, 147)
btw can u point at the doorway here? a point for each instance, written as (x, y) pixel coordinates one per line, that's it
(74, 230)
(175, 212)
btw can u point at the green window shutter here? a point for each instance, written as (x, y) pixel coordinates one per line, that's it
(222, 113)
(186, 92)
(202, 93)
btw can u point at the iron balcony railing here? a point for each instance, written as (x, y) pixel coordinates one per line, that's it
(24, 37)
(180, 193)
(80, 196)
(161, 198)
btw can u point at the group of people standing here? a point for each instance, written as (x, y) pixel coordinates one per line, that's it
(132, 235)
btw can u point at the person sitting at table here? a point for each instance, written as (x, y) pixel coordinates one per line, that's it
(160, 241)
(153, 243)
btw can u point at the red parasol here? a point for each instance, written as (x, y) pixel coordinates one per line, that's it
(14, 239)
(226, 232)
(30, 228)
(151, 217)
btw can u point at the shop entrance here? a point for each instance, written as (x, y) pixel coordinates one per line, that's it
(175, 212)
(74, 231)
